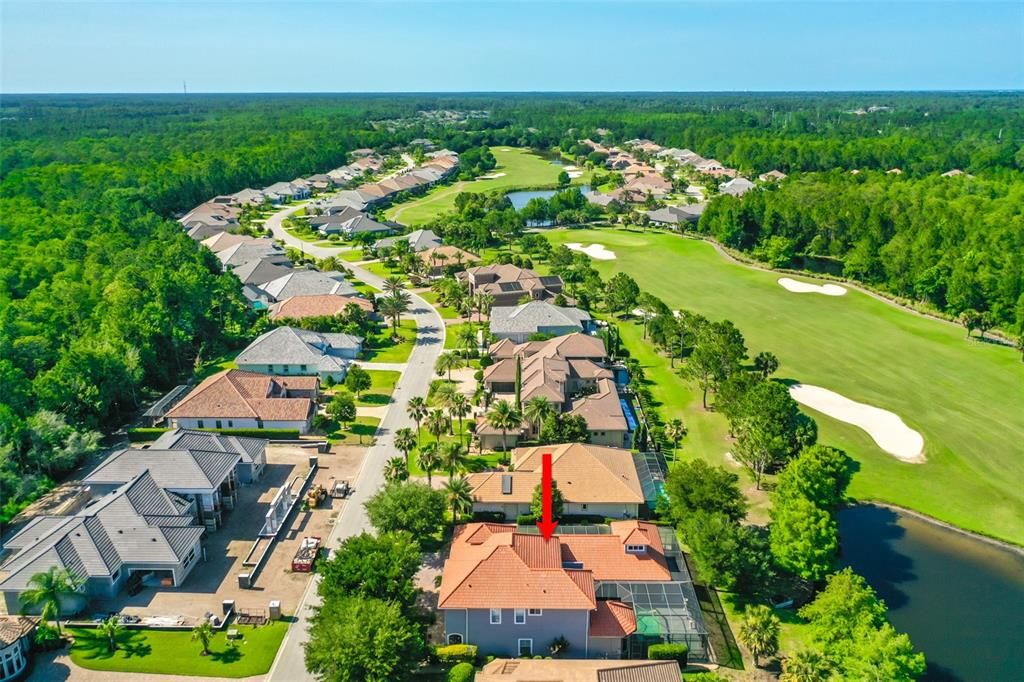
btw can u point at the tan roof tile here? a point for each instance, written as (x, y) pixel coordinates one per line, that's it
(235, 393)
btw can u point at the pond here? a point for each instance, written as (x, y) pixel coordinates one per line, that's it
(519, 199)
(960, 598)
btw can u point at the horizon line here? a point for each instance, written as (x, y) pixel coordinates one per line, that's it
(1006, 90)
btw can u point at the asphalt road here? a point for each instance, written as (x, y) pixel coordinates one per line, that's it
(289, 665)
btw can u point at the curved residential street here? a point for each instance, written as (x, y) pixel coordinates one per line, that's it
(289, 665)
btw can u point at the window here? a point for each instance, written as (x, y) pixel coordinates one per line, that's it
(115, 575)
(583, 507)
(495, 616)
(230, 423)
(270, 368)
(454, 638)
(219, 424)
(200, 423)
(636, 549)
(520, 616)
(190, 556)
(526, 647)
(302, 368)
(535, 612)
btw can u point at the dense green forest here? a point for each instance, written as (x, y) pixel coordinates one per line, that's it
(104, 300)
(956, 243)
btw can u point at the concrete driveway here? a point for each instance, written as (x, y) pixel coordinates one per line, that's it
(415, 381)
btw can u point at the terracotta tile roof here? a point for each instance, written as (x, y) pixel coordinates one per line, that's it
(605, 555)
(239, 394)
(602, 410)
(13, 628)
(495, 567)
(585, 474)
(318, 305)
(612, 619)
(451, 254)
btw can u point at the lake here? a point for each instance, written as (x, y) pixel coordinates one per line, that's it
(519, 199)
(960, 599)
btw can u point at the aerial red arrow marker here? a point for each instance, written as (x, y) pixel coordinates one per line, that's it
(546, 525)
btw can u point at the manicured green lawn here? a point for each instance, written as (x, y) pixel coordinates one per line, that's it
(965, 397)
(174, 653)
(521, 167)
(364, 288)
(378, 268)
(214, 365)
(359, 432)
(451, 339)
(445, 312)
(387, 350)
(351, 256)
(379, 393)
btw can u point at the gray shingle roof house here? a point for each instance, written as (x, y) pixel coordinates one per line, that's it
(137, 528)
(736, 187)
(307, 283)
(260, 271)
(537, 317)
(418, 240)
(674, 215)
(242, 253)
(363, 225)
(289, 350)
(253, 451)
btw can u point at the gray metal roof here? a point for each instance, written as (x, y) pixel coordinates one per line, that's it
(136, 524)
(250, 449)
(171, 469)
(307, 283)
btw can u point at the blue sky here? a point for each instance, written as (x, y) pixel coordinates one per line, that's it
(143, 46)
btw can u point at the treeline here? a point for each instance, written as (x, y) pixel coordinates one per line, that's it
(955, 243)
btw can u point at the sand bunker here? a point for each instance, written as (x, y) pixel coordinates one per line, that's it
(491, 176)
(595, 251)
(805, 287)
(884, 427)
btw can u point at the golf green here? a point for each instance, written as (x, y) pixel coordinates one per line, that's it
(965, 397)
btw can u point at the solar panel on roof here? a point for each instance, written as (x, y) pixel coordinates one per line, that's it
(510, 286)
(550, 279)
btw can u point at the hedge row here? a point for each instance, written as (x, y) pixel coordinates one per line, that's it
(669, 652)
(145, 435)
(456, 653)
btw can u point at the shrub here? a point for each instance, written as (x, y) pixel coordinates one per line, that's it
(489, 516)
(456, 653)
(47, 639)
(145, 435)
(463, 672)
(485, 361)
(526, 519)
(669, 652)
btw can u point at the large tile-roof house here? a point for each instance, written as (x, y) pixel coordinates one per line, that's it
(441, 259)
(236, 399)
(293, 351)
(282, 191)
(567, 371)
(512, 593)
(307, 283)
(575, 670)
(225, 240)
(518, 323)
(138, 527)
(252, 451)
(208, 219)
(509, 283)
(593, 479)
(772, 176)
(318, 305)
(209, 478)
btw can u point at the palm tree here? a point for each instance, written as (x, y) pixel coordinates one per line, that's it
(204, 633)
(330, 264)
(481, 396)
(759, 632)
(111, 628)
(675, 430)
(446, 362)
(417, 411)
(405, 441)
(503, 417)
(437, 424)
(482, 304)
(392, 308)
(807, 665)
(467, 338)
(459, 407)
(460, 496)
(393, 285)
(395, 469)
(536, 410)
(428, 460)
(453, 456)
(48, 589)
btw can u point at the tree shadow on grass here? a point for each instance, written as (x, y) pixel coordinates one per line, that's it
(375, 399)
(231, 654)
(92, 645)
